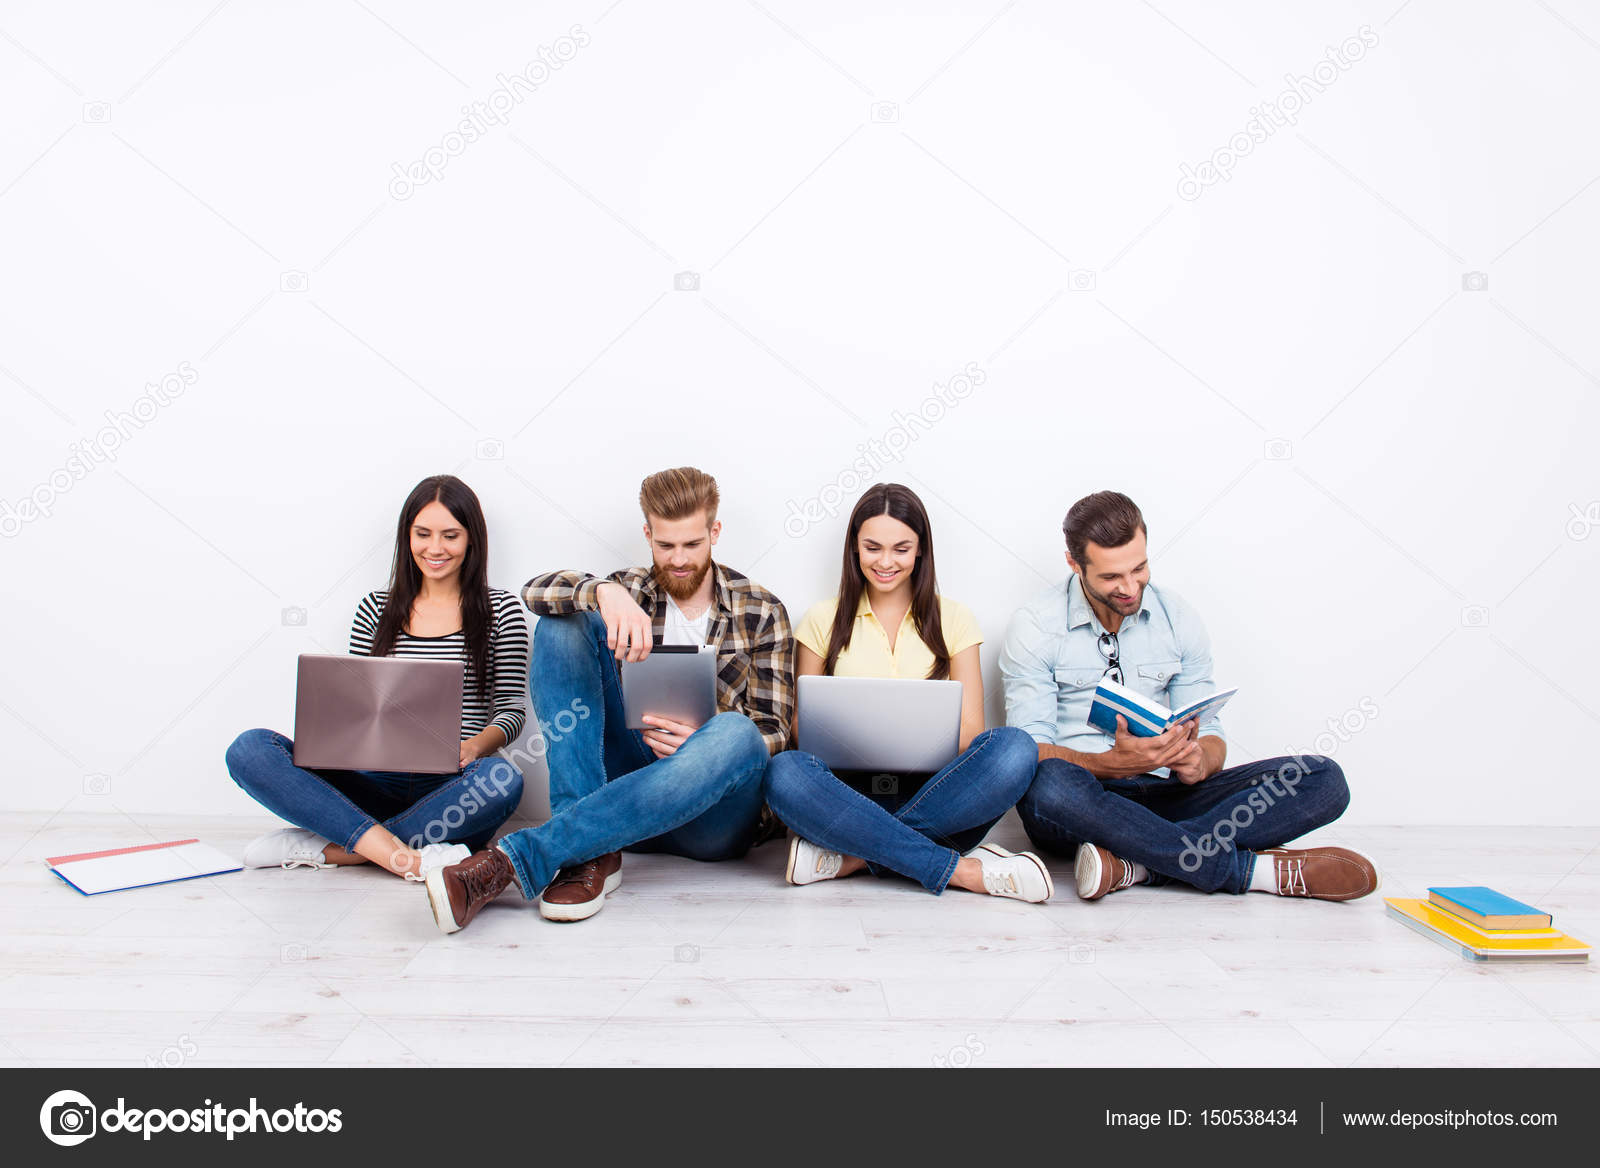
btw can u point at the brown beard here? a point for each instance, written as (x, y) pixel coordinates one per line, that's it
(673, 588)
(1105, 597)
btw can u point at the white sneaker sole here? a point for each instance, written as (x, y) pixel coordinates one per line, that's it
(1086, 870)
(997, 850)
(439, 899)
(582, 912)
(794, 860)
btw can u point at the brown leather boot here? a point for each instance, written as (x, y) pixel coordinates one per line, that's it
(458, 892)
(580, 891)
(1322, 873)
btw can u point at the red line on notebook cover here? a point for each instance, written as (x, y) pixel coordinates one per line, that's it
(54, 860)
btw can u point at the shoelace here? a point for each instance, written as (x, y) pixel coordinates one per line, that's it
(999, 883)
(1291, 877)
(479, 879)
(1125, 880)
(586, 876)
(828, 864)
(303, 860)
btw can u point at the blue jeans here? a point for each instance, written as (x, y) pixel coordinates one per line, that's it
(608, 790)
(342, 806)
(1205, 835)
(921, 833)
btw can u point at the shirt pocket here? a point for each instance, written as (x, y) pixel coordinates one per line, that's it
(733, 677)
(1155, 676)
(1077, 678)
(1159, 673)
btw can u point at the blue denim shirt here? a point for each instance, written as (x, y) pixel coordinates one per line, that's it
(1051, 663)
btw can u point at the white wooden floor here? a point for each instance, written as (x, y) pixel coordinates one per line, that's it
(724, 964)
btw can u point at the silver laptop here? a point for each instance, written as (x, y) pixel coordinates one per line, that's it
(676, 681)
(877, 724)
(378, 714)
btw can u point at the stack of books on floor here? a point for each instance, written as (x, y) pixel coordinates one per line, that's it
(1484, 925)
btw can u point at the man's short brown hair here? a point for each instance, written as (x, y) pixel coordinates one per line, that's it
(1107, 518)
(678, 494)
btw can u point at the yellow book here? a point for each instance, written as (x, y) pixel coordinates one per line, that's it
(1473, 944)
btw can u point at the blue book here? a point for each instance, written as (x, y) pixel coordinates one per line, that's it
(1146, 718)
(1488, 909)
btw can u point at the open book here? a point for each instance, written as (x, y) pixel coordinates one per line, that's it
(1147, 718)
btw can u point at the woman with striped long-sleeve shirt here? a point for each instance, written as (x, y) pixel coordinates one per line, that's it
(438, 605)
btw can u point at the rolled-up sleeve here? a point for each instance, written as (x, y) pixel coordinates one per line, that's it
(1029, 677)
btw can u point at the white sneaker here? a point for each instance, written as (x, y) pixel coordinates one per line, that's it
(1016, 875)
(809, 863)
(437, 856)
(290, 847)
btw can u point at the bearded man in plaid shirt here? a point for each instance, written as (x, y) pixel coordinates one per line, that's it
(682, 789)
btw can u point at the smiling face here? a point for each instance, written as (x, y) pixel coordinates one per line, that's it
(438, 543)
(887, 550)
(1114, 579)
(680, 552)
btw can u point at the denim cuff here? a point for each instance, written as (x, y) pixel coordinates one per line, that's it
(349, 845)
(517, 868)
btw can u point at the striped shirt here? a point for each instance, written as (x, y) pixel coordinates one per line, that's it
(502, 702)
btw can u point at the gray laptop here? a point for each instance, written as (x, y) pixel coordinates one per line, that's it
(378, 714)
(676, 681)
(877, 724)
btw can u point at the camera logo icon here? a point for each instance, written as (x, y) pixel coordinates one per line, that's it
(294, 617)
(294, 282)
(97, 784)
(1082, 280)
(68, 1118)
(1080, 955)
(293, 953)
(686, 282)
(885, 784)
(1277, 450)
(686, 954)
(97, 113)
(884, 112)
(1475, 616)
(1475, 281)
(491, 450)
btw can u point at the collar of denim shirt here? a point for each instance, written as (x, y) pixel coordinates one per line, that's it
(1079, 612)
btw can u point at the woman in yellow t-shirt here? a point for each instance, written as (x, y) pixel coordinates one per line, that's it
(889, 621)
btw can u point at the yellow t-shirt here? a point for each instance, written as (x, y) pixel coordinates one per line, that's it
(868, 653)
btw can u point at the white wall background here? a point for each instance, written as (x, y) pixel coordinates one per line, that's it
(1371, 479)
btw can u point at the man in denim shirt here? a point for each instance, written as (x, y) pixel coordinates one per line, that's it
(1140, 810)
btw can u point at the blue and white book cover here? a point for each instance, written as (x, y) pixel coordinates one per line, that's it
(1146, 717)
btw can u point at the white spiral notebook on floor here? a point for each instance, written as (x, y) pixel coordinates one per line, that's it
(92, 873)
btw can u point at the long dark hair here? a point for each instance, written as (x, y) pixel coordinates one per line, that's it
(901, 503)
(405, 578)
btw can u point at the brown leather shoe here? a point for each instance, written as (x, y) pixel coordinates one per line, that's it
(458, 892)
(1322, 873)
(580, 891)
(1099, 872)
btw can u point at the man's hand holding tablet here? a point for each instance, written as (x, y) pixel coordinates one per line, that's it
(665, 735)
